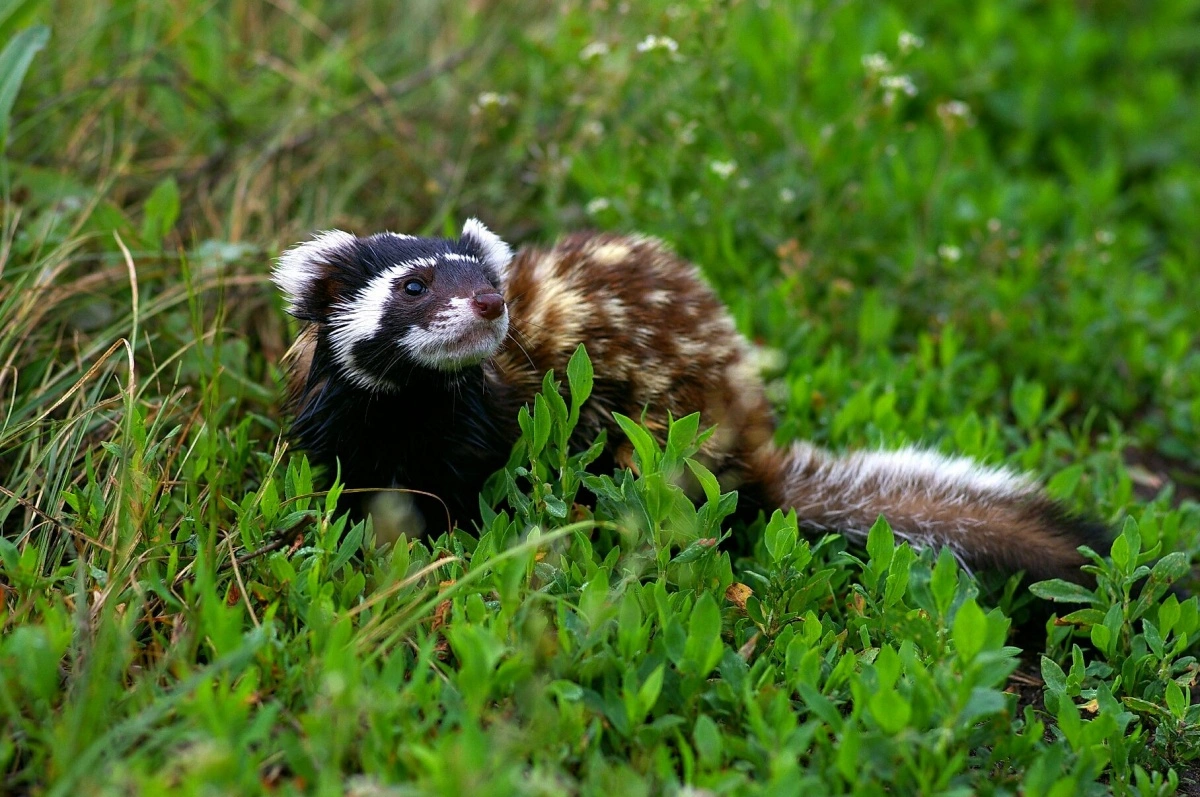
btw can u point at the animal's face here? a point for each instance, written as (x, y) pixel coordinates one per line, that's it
(388, 302)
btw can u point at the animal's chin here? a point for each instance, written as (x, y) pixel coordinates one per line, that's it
(470, 350)
(453, 348)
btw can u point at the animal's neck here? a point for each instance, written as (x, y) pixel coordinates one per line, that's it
(422, 403)
(430, 420)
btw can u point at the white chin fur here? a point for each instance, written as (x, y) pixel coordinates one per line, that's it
(456, 339)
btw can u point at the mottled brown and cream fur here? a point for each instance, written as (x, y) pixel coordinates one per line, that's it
(662, 344)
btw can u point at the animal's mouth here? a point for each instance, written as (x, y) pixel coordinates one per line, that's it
(452, 347)
(474, 347)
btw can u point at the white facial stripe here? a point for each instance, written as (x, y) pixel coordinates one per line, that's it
(358, 319)
(299, 267)
(496, 253)
(457, 256)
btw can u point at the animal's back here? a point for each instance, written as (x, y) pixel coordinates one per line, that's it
(661, 343)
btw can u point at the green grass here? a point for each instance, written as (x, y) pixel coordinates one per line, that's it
(1002, 262)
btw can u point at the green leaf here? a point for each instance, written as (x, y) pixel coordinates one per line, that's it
(944, 581)
(350, 546)
(541, 424)
(1062, 485)
(703, 649)
(820, 705)
(970, 630)
(983, 702)
(1176, 702)
(1168, 614)
(1102, 638)
(650, 689)
(695, 551)
(681, 435)
(556, 507)
(1028, 401)
(629, 626)
(890, 710)
(643, 444)
(1062, 591)
(14, 63)
(160, 212)
(1053, 676)
(1127, 547)
(1083, 617)
(898, 575)
(10, 556)
(579, 380)
(881, 545)
(877, 319)
(707, 738)
(708, 482)
(781, 535)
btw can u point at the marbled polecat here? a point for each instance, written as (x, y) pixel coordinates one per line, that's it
(408, 374)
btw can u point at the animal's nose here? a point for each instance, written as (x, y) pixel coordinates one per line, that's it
(489, 305)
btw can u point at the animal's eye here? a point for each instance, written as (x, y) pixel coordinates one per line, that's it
(414, 287)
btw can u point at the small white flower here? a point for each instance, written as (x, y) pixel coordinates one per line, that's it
(955, 108)
(787, 196)
(993, 226)
(597, 205)
(876, 64)
(899, 84)
(593, 128)
(1105, 237)
(909, 41)
(723, 169)
(955, 115)
(743, 183)
(593, 50)
(687, 133)
(949, 253)
(658, 43)
(490, 99)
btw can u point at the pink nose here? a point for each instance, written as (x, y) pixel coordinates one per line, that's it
(489, 305)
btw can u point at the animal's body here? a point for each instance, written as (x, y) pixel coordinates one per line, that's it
(409, 374)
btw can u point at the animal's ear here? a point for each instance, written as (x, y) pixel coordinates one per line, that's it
(487, 246)
(316, 274)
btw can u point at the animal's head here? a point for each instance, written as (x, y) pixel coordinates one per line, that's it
(388, 302)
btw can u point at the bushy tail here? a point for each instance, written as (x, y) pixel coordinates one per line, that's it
(990, 518)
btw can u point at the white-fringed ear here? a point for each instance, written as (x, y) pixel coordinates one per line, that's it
(493, 252)
(300, 268)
